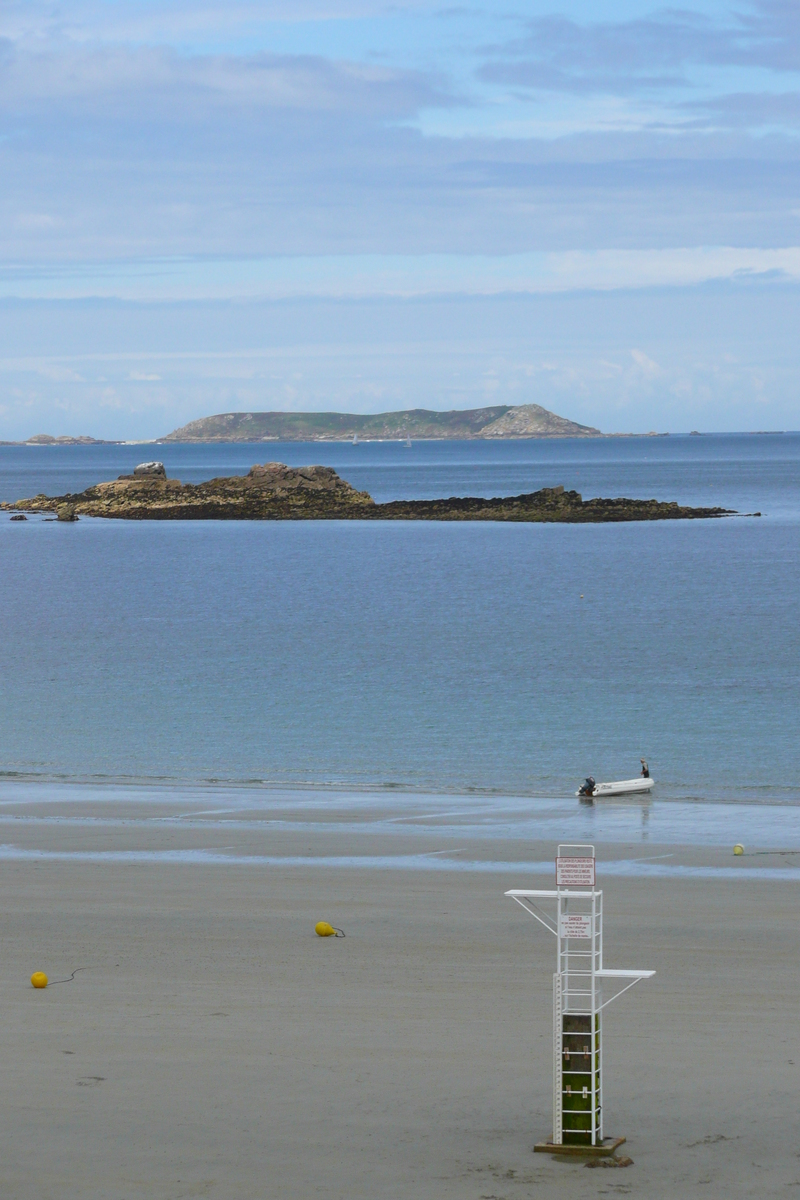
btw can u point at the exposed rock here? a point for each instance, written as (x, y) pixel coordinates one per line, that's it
(277, 492)
(624, 1161)
(19, 517)
(272, 491)
(547, 505)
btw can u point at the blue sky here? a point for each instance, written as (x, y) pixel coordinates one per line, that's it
(361, 206)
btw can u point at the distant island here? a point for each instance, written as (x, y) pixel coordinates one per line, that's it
(275, 492)
(46, 439)
(499, 421)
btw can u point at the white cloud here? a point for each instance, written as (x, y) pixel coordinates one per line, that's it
(645, 363)
(136, 81)
(90, 21)
(352, 276)
(647, 53)
(28, 222)
(58, 373)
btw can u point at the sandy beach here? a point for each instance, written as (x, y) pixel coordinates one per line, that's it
(216, 1047)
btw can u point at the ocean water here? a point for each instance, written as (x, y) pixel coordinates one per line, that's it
(488, 658)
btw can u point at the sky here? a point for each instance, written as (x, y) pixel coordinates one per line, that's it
(365, 206)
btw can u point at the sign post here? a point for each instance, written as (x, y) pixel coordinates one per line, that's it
(582, 988)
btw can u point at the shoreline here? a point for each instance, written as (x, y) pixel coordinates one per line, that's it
(73, 443)
(395, 830)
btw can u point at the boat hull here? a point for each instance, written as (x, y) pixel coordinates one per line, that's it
(623, 787)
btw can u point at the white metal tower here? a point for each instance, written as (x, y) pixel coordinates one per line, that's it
(582, 988)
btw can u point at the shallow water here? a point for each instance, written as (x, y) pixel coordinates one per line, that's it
(382, 830)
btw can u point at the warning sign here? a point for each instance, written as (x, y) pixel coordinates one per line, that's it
(574, 872)
(574, 925)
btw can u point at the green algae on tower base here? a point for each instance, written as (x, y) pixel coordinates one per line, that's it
(275, 492)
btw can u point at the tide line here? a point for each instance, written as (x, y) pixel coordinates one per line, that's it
(629, 868)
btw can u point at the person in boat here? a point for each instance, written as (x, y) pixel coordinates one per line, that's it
(588, 786)
(645, 768)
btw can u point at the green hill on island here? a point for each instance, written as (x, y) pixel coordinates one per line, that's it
(499, 421)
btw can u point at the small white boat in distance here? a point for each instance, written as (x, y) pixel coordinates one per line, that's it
(623, 787)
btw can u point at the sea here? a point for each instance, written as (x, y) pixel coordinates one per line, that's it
(500, 663)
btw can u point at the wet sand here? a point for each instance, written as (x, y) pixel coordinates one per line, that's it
(216, 1047)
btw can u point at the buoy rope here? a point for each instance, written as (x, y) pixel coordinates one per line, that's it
(339, 932)
(53, 982)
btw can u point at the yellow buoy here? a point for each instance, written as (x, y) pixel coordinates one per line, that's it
(39, 979)
(738, 849)
(323, 929)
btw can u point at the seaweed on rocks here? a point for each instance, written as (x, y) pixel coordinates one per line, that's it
(275, 492)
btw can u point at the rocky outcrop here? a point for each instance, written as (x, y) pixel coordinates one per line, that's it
(548, 505)
(145, 470)
(274, 492)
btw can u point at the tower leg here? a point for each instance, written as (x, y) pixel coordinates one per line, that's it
(558, 1064)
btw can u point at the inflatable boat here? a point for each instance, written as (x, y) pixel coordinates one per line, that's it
(622, 787)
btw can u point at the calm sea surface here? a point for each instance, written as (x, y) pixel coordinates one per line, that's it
(439, 657)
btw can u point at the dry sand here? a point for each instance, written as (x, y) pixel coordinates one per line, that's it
(217, 1048)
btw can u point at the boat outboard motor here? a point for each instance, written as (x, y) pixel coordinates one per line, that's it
(588, 786)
